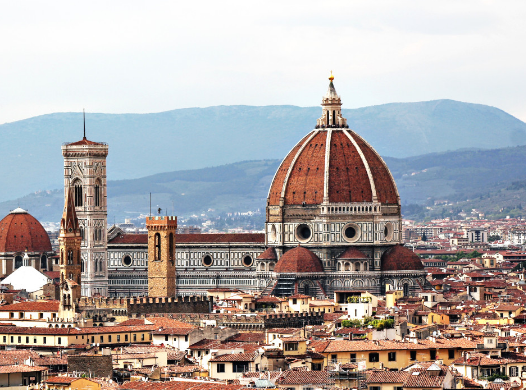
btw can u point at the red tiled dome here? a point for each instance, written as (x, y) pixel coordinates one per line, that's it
(19, 231)
(399, 258)
(298, 260)
(356, 173)
(269, 254)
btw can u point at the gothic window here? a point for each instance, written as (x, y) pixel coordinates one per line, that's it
(96, 266)
(157, 239)
(62, 256)
(333, 117)
(78, 193)
(406, 289)
(98, 190)
(82, 266)
(171, 248)
(43, 262)
(70, 257)
(18, 262)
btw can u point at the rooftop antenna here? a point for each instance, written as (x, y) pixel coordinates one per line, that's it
(84, 115)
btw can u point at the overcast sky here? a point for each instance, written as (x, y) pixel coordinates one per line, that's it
(151, 56)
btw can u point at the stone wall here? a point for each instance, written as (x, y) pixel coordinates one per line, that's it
(96, 365)
(138, 307)
(254, 321)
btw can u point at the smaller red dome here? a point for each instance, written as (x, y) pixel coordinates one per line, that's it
(269, 254)
(298, 260)
(399, 258)
(20, 231)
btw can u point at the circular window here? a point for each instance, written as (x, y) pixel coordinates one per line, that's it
(207, 261)
(388, 231)
(127, 261)
(351, 232)
(247, 261)
(303, 233)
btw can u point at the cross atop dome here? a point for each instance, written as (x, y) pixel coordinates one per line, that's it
(332, 109)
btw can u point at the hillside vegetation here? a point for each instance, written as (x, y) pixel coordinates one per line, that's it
(492, 181)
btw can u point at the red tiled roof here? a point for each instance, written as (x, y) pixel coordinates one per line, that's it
(235, 357)
(44, 306)
(20, 368)
(352, 253)
(348, 178)
(269, 254)
(305, 378)
(21, 231)
(84, 142)
(179, 385)
(399, 258)
(300, 260)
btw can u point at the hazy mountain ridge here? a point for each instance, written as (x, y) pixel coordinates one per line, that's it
(145, 144)
(490, 179)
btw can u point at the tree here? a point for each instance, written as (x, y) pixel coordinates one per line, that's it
(494, 237)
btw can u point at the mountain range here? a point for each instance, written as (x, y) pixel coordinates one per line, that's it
(142, 145)
(493, 181)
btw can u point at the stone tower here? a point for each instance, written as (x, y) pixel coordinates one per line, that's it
(85, 175)
(70, 259)
(161, 256)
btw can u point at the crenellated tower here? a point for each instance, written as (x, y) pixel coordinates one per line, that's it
(161, 256)
(85, 176)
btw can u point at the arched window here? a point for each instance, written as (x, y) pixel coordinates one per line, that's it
(62, 257)
(333, 117)
(18, 261)
(43, 262)
(406, 289)
(78, 193)
(70, 257)
(82, 266)
(171, 248)
(98, 193)
(96, 266)
(157, 239)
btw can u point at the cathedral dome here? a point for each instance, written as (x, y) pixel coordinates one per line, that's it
(20, 231)
(332, 164)
(399, 258)
(298, 260)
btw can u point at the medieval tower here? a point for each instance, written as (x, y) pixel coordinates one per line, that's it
(70, 258)
(85, 175)
(161, 256)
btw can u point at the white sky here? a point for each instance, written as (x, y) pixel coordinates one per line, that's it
(151, 56)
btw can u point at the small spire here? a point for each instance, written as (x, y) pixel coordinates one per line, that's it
(84, 115)
(69, 217)
(331, 77)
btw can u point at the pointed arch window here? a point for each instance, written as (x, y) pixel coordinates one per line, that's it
(77, 185)
(98, 193)
(82, 266)
(70, 257)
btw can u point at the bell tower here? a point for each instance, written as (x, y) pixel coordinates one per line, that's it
(85, 176)
(161, 256)
(70, 260)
